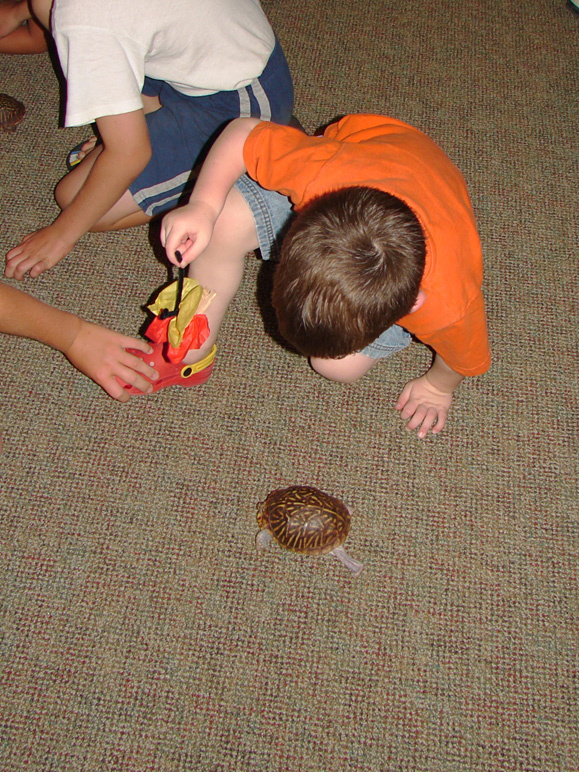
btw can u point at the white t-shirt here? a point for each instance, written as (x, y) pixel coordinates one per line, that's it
(107, 47)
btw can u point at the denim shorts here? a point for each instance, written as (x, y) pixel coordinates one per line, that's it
(273, 214)
(182, 130)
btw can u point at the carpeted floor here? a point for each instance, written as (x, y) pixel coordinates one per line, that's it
(140, 630)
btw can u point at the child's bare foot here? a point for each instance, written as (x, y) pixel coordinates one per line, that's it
(78, 153)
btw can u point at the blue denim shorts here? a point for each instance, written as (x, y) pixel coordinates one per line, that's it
(393, 339)
(182, 130)
(273, 214)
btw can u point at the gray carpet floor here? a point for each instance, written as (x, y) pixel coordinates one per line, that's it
(140, 629)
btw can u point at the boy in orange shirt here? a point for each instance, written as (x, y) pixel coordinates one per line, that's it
(382, 243)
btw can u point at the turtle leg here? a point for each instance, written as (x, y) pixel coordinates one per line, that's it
(354, 566)
(263, 539)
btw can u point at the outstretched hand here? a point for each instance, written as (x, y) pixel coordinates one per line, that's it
(425, 407)
(186, 232)
(101, 354)
(36, 253)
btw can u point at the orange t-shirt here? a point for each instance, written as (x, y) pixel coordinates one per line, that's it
(379, 152)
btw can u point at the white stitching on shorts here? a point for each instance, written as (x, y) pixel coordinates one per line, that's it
(244, 103)
(262, 100)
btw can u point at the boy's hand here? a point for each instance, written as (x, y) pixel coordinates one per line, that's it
(100, 353)
(425, 406)
(187, 230)
(36, 253)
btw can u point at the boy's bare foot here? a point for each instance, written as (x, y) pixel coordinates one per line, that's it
(76, 155)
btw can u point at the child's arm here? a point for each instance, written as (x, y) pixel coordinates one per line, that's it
(189, 228)
(96, 351)
(126, 152)
(426, 400)
(20, 34)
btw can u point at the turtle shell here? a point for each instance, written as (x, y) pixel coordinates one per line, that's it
(11, 112)
(304, 519)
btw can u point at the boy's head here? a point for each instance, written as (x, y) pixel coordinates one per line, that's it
(350, 267)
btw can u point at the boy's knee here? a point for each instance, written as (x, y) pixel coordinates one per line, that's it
(65, 191)
(237, 221)
(346, 370)
(333, 370)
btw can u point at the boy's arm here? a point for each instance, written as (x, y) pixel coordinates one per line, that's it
(188, 229)
(96, 351)
(126, 152)
(425, 401)
(29, 38)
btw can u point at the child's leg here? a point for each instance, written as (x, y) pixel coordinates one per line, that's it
(13, 13)
(150, 105)
(252, 217)
(346, 370)
(220, 266)
(19, 34)
(126, 213)
(182, 130)
(351, 368)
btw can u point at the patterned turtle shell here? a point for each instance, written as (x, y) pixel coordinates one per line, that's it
(11, 112)
(304, 519)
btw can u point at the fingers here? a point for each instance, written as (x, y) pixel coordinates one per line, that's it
(419, 416)
(135, 363)
(176, 248)
(440, 423)
(403, 398)
(114, 386)
(408, 407)
(115, 390)
(423, 408)
(36, 253)
(187, 231)
(135, 343)
(424, 419)
(180, 249)
(121, 361)
(132, 378)
(18, 265)
(186, 253)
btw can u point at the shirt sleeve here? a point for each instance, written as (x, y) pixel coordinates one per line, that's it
(363, 127)
(464, 345)
(285, 159)
(104, 76)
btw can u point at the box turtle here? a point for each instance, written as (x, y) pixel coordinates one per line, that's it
(306, 520)
(11, 112)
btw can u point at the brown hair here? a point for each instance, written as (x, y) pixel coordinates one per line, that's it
(350, 267)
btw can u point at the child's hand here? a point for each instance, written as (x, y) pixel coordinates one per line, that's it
(36, 253)
(100, 353)
(187, 230)
(425, 406)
